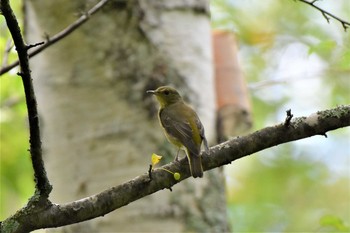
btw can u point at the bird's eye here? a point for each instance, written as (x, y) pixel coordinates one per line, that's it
(166, 92)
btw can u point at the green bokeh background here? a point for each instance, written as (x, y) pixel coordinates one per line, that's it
(292, 59)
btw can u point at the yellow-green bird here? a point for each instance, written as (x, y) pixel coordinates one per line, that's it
(181, 126)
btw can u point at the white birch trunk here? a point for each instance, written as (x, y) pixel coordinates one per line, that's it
(97, 128)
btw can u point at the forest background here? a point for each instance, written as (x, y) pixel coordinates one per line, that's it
(292, 59)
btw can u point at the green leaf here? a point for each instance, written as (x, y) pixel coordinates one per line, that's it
(333, 221)
(324, 48)
(344, 63)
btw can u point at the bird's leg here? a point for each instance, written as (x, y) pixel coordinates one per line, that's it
(177, 155)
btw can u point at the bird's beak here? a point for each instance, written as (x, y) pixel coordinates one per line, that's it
(151, 92)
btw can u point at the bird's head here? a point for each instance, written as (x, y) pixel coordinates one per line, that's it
(166, 95)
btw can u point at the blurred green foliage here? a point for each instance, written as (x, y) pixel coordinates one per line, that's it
(15, 169)
(286, 194)
(334, 223)
(292, 59)
(300, 186)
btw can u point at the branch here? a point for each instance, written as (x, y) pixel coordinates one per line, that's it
(326, 14)
(43, 187)
(62, 34)
(100, 204)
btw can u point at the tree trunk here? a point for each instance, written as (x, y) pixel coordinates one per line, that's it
(99, 126)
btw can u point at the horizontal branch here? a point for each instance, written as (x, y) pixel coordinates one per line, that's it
(100, 204)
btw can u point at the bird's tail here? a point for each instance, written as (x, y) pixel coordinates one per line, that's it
(195, 162)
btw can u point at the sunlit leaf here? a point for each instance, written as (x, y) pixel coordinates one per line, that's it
(155, 159)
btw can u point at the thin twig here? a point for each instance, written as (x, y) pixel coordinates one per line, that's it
(35, 45)
(288, 118)
(327, 14)
(150, 172)
(42, 185)
(62, 34)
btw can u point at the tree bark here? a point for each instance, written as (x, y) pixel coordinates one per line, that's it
(100, 128)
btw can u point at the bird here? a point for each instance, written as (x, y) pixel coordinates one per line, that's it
(182, 127)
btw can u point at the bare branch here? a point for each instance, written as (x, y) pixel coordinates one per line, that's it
(100, 204)
(34, 45)
(43, 187)
(62, 34)
(327, 15)
(288, 118)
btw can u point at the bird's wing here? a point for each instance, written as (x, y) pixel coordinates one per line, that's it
(179, 127)
(202, 134)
